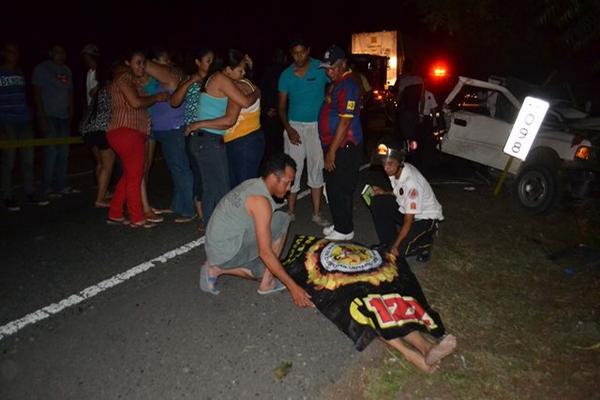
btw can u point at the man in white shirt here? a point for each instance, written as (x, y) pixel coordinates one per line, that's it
(90, 54)
(411, 206)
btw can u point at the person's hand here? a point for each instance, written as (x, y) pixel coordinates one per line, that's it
(378, 191)
(300, 297)
(294, 136)
(395, 251)
(191, 128)
(330, 160)
(162, 96)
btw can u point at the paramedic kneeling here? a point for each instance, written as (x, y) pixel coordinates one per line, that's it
(410, 206)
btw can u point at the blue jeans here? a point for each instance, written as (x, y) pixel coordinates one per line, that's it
(210, 155)
(56, 158)
(18, 131)
(172, 143)
(244, 156)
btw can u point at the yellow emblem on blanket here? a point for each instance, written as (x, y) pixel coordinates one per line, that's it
(350, 105)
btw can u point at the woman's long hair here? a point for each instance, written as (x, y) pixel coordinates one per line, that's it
(233, 58)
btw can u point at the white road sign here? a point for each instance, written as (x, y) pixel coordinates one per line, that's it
(526, 127)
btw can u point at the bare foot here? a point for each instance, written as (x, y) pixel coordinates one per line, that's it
(419, 361)
(441, 350)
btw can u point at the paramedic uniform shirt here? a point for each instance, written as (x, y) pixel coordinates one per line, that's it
(414, 195)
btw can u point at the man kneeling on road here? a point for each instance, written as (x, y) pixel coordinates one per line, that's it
(411, 204)
(244, 234)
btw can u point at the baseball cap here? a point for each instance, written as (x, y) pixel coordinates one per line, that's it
(332, 55)
(91, 49)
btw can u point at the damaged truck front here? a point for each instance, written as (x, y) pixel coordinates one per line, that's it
(564, 157)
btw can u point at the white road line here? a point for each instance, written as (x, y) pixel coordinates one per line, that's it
(89, 292)
(13, 327)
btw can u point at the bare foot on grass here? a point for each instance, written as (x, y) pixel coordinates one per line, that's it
(441, 350)
(419, 361)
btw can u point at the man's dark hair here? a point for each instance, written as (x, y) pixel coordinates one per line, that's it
(276, 164)
(298, 40)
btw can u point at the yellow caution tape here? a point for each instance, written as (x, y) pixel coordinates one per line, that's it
(16, 143)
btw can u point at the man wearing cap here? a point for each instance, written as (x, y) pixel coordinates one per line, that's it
(341, 135)
(411, 205)
(301, 90)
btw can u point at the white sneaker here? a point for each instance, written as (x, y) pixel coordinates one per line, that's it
(317, 219)
(328, 230)
(335, 235)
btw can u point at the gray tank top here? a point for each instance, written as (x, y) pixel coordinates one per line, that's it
(230, 220)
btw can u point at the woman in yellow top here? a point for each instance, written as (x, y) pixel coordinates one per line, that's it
(244, 140)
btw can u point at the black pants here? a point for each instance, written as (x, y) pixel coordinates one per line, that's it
(388, 220)
(340, 185)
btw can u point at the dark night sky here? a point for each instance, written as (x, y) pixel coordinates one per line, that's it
(257, 26)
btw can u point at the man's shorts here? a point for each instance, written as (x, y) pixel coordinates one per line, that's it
(311, 149)
(247, 256)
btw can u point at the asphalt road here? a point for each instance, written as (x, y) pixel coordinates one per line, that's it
(155, 335)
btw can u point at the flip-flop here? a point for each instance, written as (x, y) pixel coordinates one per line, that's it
(182, 219)
(277, 288)
(207, 283)
(117, 221)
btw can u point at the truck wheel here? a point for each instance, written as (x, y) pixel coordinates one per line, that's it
(538, 188)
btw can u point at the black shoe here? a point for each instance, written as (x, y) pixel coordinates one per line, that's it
(11, 204)
(424, 257)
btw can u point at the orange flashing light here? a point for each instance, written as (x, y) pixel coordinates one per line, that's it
(583, 153)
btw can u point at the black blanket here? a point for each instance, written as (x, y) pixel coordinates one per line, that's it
(362, 292)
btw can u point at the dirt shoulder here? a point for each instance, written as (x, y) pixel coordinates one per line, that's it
(527, 327)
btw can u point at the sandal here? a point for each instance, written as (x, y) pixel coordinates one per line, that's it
(159, 211)
(117, 221)
(207, 283)
(277, 288)
(143, 224)
(183, 219)
(153, 217)
(101, 204)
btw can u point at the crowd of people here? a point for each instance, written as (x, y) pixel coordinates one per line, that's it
(209, 125)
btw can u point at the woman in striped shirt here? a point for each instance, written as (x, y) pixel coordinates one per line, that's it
(127, 134)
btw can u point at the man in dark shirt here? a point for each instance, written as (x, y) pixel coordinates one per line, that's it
(15, 124)
(341, 135)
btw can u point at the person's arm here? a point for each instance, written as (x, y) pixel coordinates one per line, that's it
(178, 96)
(234, 93)
(340, 134)
(380, 191)
(282, 106)
(165, 75)
(225, 122)
(70, 107)
(259, 209)
(406, 225)
(39, 107)
(134, 99)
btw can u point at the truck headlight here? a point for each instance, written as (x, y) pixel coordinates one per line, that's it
(583, 153)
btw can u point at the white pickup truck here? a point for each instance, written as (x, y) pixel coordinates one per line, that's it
(479, 116)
